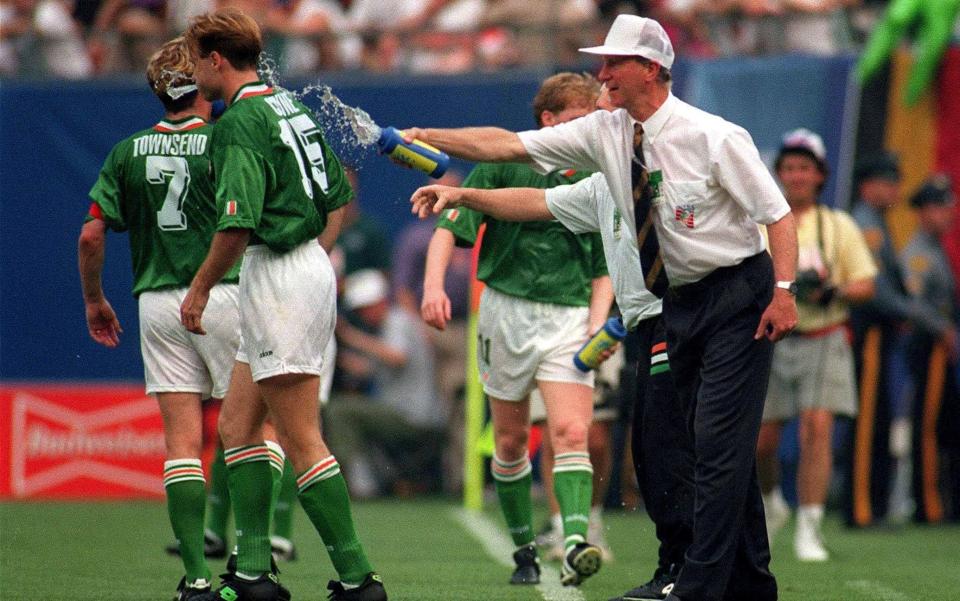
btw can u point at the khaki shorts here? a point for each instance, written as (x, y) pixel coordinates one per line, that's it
(811, 373)
(174, 360)
(521, 342)
(288, 309)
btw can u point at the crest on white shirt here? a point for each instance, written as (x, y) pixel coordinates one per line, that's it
(685, 214)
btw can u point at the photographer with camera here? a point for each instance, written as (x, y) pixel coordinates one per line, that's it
(813, 373)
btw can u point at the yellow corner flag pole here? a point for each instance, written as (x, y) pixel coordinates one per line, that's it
(474, 409)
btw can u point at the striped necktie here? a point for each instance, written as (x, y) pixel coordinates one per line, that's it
(655, 278)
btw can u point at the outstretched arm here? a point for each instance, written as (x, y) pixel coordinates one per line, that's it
(478, 144)
(507, 204)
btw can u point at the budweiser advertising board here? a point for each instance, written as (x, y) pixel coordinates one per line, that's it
(79, 442)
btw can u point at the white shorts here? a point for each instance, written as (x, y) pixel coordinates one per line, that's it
(521, 342)
(326, 370)
(174, 360)
(288, 309)
(605, 380)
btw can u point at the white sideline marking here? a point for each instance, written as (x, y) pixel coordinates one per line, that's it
(877, 591)
(500, 548)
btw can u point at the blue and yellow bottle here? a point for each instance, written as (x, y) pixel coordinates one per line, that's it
(417, 154)
(588, 357)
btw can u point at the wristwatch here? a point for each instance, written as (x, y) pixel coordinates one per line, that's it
(790, 287)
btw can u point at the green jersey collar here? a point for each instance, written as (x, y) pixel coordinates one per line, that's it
(256, 88)
(178, 125)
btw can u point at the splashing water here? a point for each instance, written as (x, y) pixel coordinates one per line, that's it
(346, 120)
(267, 68)
(350, 129)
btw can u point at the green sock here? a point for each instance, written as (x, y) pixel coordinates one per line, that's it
(218, 497)
(183, 480)
(283, 513)
(573, 486)
(251, 487)
(323, 495)
(512, 480)
(277, 459)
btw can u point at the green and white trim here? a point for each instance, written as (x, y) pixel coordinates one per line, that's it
(572, 462)
(321, 470)
(182, 470)
(510, 471)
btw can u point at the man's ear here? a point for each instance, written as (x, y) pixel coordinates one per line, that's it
(216, 59)
(547, 118)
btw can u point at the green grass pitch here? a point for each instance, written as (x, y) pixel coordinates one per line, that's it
(114, 551)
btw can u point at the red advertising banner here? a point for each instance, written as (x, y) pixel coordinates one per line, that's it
(79, 442)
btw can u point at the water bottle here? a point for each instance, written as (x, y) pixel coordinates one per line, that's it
(416, 154)
(588, 357)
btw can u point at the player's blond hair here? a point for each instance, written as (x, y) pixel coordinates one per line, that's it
(171, 67)
(563, 90)
(230, 32)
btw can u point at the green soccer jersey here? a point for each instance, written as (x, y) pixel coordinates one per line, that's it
(156, 185)
(275, 173)
(539, 261)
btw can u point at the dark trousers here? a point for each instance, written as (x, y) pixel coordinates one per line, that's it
(662, 450)
(936, 431)
(867, 456)
(721, 375)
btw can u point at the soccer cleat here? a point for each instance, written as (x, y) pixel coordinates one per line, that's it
(233, 588)
(658, 588)
(195, 590)
(371, 589)
(581, 562)
(232, 564)
(214, 547)
(596, 535)
(528, 566)
(282, 548)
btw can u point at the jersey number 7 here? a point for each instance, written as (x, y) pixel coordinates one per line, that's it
(175, 174)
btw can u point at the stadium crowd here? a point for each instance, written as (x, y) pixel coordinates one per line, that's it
(90, 38)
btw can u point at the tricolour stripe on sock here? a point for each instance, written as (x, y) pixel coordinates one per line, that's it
(659, 361)
(277, 456)
(572, 462)
(510, 471)
(182, 470)
(321, 470)
(239, 455)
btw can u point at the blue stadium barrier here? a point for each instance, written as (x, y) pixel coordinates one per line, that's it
(55, 135)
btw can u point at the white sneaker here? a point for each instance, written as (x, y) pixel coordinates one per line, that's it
(807, 541)
(776, 511)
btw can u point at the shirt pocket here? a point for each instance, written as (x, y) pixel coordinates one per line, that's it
(683, 204)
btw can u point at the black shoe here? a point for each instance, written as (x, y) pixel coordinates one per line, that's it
(282, 549)
(232, 588)
(371, 589)
(214, 547)
(528, 566)
(581, 562)
(232, 564)
(658, 588)
(196, 590)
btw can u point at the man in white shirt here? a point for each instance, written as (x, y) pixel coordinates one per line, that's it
(700, 182)
(662, 448)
